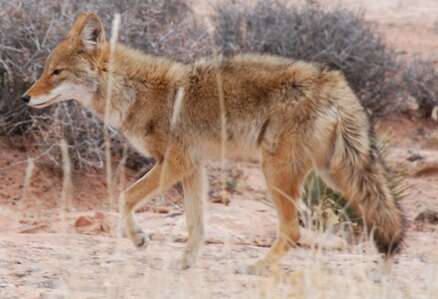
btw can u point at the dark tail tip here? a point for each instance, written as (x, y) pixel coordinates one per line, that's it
(390, 241)
(388, 248)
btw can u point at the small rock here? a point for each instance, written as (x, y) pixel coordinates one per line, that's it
(95, 224)
(180, 239)
(427, 216)
(414, 157)
(262, 242)
(22, 274)
(83, 221)
(213, 241)
(105, 227)
(161, 210)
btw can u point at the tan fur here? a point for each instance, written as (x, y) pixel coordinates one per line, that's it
(294, 116)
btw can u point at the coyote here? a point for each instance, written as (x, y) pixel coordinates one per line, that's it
(292, 115)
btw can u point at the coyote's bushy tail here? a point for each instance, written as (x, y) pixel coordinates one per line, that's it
(367, 182)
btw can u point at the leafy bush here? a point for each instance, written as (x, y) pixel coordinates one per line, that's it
(339, 38)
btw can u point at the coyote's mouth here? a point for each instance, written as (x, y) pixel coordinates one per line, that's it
(44, 104)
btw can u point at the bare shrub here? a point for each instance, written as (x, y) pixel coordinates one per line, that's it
(338, 37)
(421, 77)
(30, 29)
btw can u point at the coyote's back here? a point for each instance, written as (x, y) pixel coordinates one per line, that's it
(264, 97)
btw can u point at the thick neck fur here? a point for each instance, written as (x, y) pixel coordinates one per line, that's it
(136, 65)
(135, 77)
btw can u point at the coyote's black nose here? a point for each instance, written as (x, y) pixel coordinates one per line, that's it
(25, 98)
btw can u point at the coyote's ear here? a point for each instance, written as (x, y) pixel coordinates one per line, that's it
(89, 29)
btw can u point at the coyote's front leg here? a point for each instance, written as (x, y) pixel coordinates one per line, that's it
(160, 178)
(195, 191)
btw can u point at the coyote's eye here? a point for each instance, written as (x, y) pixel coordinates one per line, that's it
(57, 72)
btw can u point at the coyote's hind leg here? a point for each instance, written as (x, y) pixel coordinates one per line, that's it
(284, 178)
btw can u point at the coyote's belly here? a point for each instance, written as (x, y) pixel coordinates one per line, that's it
(208, 150)
(241, 140)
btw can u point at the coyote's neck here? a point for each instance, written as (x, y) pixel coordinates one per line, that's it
(135, 65)
(128, 76)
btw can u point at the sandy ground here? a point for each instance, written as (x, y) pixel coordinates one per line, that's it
(410, 26)
(47, 252)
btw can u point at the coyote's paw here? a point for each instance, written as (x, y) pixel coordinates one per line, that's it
(180, 264)
(187, 261)
(139, 239)
(136, 234)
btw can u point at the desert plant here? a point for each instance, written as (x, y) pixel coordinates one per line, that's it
(421, 77)
(328, 208)
(339, 38)
(30, 29)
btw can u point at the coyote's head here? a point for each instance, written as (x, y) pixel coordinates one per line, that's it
(72, 69)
